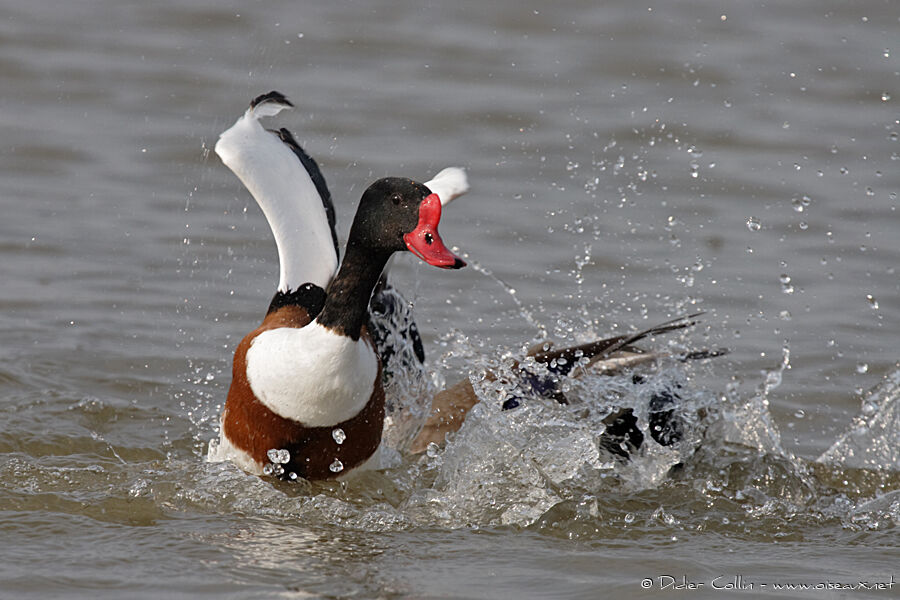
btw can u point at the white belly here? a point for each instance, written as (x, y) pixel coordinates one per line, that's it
(311, 375)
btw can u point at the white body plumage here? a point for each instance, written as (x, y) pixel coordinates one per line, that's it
(311, 375)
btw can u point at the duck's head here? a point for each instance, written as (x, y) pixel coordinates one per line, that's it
(398, 214)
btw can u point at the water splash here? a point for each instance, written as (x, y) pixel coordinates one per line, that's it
(544, 465)
(872, 441)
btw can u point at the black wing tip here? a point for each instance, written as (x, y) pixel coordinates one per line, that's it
(273, 96)
(312, 167)
(288, 138)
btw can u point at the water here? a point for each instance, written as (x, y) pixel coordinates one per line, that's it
(629, 164)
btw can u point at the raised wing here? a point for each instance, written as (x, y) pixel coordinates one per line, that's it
(290, 190)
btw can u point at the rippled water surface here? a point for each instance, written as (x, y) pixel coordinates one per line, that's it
(630, 163)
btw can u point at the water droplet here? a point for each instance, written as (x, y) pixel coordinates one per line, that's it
(336, 467)
(872, 301)
(800, 414)
(339, 435)
(800, 204)
(885, 97)
(786, 286)
(785, 315)
(803, 225)
(629, 518)
(862, 368)
(753, 224)
(279, 457)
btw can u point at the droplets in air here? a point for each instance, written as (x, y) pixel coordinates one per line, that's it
(873, 303)
(694, 165)
(336, 467)
(753, 224)
(800, 204)
(338, 435)
(786, 286)
(279, 457)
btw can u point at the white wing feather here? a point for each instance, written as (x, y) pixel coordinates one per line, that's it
(282, 187)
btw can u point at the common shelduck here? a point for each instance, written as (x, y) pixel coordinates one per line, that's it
(306, 397)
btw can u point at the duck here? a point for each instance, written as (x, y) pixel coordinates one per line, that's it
(306, 399)
(280, 418)
(540, 374)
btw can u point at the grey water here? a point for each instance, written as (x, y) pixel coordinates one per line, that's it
(629, 163)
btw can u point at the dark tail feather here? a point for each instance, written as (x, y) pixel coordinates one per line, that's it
(703, 354)
(600, 349)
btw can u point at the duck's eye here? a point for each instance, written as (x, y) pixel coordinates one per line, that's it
(396, 198)
(429, 239)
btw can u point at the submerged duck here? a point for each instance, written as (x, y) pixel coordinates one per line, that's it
(622, 435)
(306, 398)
